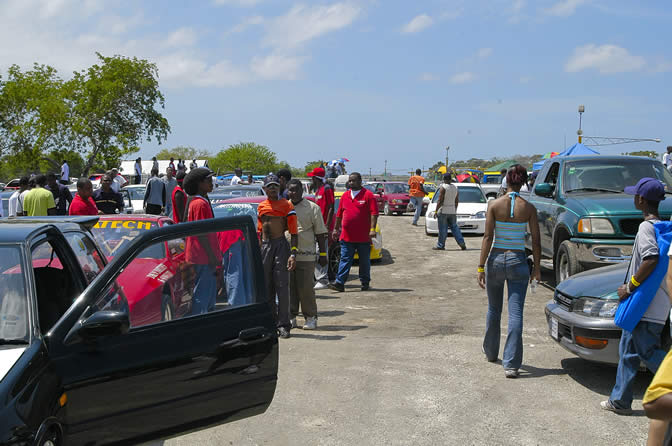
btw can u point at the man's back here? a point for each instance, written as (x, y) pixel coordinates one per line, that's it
(38, 202)
(156, 191)
(415, 183)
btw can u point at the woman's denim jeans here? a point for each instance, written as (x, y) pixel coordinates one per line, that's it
(510, 267)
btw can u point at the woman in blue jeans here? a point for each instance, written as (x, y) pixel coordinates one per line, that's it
(506, 222)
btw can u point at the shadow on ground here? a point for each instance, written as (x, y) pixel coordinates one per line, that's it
(303, 335)
(330, 313)
(341, 327)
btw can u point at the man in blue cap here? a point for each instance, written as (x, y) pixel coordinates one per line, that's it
(643, 343)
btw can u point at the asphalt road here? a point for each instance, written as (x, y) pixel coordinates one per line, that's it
(402, 364)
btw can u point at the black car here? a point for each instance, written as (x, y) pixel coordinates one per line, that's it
(75, 371)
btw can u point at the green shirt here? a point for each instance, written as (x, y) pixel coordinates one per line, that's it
(38, 201)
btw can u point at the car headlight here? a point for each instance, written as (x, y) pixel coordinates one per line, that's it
(595, 226)
(589, 306)
(431, 214)
(395, 201)
(478, 215)
(425, 199)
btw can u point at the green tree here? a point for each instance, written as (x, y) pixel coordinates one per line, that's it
(649, 153)
(310, 165)
(115, 108)
(184, 153)
(34, 116)
(248, 156)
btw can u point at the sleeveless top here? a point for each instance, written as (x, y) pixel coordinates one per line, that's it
(510, 235)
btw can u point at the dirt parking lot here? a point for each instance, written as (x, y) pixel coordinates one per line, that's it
(402, 365)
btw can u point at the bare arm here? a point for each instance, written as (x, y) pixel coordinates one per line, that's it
(486, 245)
(660, 409)
(536, 243)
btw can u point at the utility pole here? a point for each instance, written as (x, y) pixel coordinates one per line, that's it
(580, 132)
(369, 173)
(385, 173)
(447, 149)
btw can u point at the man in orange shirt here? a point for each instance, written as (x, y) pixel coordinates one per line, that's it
(416, 194)
(277, 215)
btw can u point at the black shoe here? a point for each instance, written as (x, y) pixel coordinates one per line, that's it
(436, 248)
(337, 286)
(283, 332)
(365, 287)
(463, 246)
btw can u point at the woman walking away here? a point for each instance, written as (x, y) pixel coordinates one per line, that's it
(507, 219)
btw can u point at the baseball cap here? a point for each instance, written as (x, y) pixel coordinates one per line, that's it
(317, 172)
(195, 176)
(650, 189)
(271, 179)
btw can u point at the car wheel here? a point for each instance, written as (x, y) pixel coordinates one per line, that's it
(566, 264)
(50, 439)
(334, 257)
(387, 209)
(167, 313)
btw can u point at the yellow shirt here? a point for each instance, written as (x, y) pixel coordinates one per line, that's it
(37, 202)
(662, 382)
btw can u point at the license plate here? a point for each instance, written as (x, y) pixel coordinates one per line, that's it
(554, 328)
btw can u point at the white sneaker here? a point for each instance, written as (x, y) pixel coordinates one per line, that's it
(320, 286)
(293, 322)
(311, 323)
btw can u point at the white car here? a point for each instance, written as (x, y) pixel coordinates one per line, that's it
(471, 210)
(137, 195)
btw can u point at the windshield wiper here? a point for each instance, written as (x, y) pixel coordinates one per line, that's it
(13, 341)
(595, 189)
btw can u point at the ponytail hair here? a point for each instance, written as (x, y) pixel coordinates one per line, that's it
(516, 175)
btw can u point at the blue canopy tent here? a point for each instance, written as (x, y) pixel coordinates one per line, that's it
(575, 150)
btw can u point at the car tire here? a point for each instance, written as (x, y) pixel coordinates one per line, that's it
(51, 438)
(566, 263)
(334, 257)
(386, 209)
(167, 310)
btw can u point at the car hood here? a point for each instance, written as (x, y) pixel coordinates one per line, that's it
(609, 204)
(8, 357)
(397, 196)
(471, 208)
(596, 282)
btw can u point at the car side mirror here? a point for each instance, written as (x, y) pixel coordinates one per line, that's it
(99, 324)
(543, 189)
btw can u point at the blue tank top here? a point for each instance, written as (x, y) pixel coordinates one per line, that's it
(510, 235)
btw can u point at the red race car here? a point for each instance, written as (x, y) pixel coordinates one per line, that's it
(154, 283)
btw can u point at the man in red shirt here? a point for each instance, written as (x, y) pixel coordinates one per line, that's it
(202, 250)
(83, 203)
(324, 198)
(355, 226)
(179, 197)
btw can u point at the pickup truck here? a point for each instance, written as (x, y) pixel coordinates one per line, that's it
(585, 218)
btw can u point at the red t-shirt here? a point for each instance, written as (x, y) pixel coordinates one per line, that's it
(79, 206)
(228, 238)
(324, 198)
(356, 214)
(178, 207)
(200, 209)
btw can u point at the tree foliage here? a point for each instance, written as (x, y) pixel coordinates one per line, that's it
(115, 108)
(248, 156)
(184, 153)
(310, 165)
(649, 153)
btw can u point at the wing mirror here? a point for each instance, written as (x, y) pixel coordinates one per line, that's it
(543, 189)
(99, 324)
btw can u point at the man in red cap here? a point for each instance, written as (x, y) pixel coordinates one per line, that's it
(324, 198)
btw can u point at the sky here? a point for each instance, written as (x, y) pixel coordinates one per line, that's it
(375, 80)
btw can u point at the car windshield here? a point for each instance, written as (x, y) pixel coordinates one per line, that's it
(612, 175)
(237, 191)
(471, 195)
(236, 209)
(114, 235)
(396, 188)
(13, 297)
(429, 188)
(137, 193)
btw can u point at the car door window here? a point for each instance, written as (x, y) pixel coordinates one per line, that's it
(13, 298)
(552, 176)
(186, 280)
(86, 253)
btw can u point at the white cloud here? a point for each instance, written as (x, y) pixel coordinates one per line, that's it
(245, 3)
(606, 59)
(462, 78)
(180, 38)
(484, 53)
(277, 66)
(564, 8)
(250, 21)
(302, 24)
(429, 77)
(417, 24)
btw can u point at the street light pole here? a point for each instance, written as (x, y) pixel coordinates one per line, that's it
(580, 132)
(447, 149)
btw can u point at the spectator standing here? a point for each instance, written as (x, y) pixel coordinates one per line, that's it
(310, 227)
(171, 164)
(667, 158)
(181, 165)
(62, 195)
(154, 201)
(237, 173)
(284, 175)
(83, 203)
(503, 186)
(250, 179)
(15, 204)
(277, 215)
(324, 198)
(642, 345)
(118, 180)
(178, 200)
(416, 194)
(446, 214)
(193, 165)
(138, 170)
(107, 200)
(155, 164)
(170, 184)
(65, 173)
(202, 251)
(356, 221)
(39, 202)
(231, 245)
(507, 220)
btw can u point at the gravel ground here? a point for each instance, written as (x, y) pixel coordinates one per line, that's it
(402, 364)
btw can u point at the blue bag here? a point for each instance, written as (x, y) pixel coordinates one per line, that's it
(630, 311)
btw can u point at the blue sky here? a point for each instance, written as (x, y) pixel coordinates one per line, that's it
(371, 80)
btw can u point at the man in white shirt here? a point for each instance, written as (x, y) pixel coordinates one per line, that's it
(236, 178)
(118, 181)
(16, 204)
(65, 173)
(446, 214)
(667, 158)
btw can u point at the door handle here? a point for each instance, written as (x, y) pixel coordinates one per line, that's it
(255, 334)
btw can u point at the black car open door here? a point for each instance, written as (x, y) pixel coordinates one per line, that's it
(215, 364)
